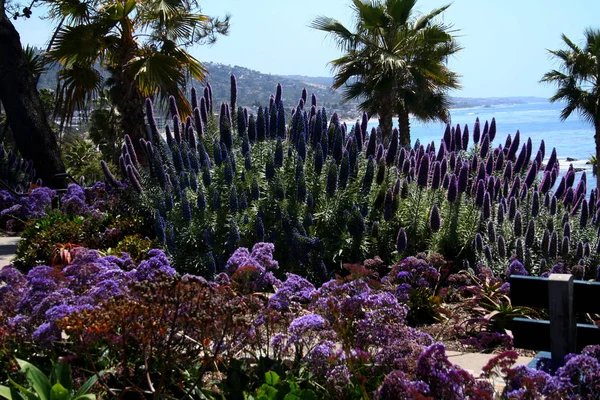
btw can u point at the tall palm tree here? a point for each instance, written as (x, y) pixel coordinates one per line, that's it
(394, 61)
(578, 81)
(142, 43)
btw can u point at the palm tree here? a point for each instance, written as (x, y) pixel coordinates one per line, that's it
(143, 46)
(394, 61)
(578, 82)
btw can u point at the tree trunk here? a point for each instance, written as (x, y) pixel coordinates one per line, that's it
(404, 127)
(33, 136)
(131, 102)
(597, 138)
(385, 122)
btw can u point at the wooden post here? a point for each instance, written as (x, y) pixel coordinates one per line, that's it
(563, 327)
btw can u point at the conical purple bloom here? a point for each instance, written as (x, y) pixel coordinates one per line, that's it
(401, 241)
(392, 148)
(487, 205)
(110, 178)
(583, 218)
(452, 189)
(465, 138)
(535, 204)
(458, 138)
(520, 163)
(518, 224)
(492, 131)
(476, 131)
(501, 244)
(435, 219)
(379, 153)
(530, 233)
(133, 179)
(173, 107)
(279, 93)
(437, 175)
(514, 146)
(447, 139)
(423, 173)
(480, 193)
(478, 242)
(531, 174)
(463, 177)
(372, 144)
(485, 146)
(569, 196)
(388, 204)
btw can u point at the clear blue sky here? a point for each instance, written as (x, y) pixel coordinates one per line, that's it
(504, 42)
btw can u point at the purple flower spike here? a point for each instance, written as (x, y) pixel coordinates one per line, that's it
(423, 173)
(514, 146)
(485, 146)
(492, 131)
(435, 219)
(531, 174)
(463, 177)
(476, 131)
(546, 182)
(401, 241)
(452, 189)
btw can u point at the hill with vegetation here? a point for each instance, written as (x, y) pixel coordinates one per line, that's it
(254, 89)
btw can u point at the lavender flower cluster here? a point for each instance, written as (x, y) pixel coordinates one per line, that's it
(34, 302)
(253, 270)
(34, 205)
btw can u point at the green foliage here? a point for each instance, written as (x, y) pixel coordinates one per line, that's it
(135, 245)
(105, 132)
(58, 386)
(82, 159)
(103, 232)
(41, 236)
(276, 389)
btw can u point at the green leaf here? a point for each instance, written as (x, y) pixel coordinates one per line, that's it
(88, 396)
(87, 385)
(36, 378)
(10, 393)
(61, 373)
(26, 392)
(58, 392)
(271, 378)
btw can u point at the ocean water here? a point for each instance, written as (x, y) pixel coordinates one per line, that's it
(572, 138)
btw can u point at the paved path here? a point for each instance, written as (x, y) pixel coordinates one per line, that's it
(474, 362)
(8, 247)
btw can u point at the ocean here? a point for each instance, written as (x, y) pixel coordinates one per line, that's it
(573, 138)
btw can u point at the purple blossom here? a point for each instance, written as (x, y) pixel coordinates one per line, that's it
(516, 268)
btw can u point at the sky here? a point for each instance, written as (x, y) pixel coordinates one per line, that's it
(504, 42)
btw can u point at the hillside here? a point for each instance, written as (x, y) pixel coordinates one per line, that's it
(255, 88)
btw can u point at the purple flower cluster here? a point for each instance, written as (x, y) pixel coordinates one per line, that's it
(73, 202)
(34, 205)
(34, 302)
(252, 271)
(294, 289)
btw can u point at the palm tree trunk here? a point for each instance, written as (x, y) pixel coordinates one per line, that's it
(385, 122)
(404, 126)
(33, 136)
(131, 101)
(597, 139)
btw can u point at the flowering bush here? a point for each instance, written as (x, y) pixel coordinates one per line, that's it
(416, 283)
(98, 217)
